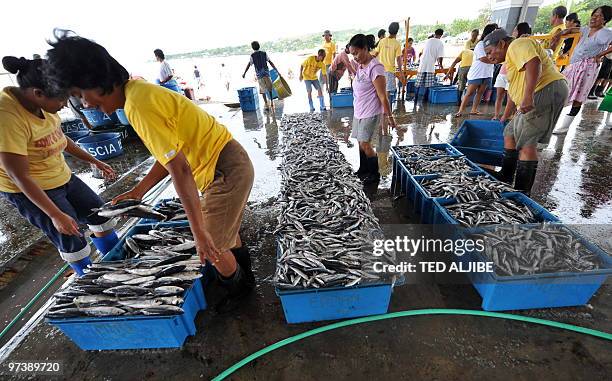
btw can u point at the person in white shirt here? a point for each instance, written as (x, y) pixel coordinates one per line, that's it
(480, 76)
(433, 51)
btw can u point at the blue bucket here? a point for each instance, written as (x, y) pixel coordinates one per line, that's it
(97, 118)
(76, 135)
(102, 146)
(122, 117)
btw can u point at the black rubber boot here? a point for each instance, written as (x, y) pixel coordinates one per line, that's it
(525, 175)
(592, 93)
(244, 260)
(599, 92)
(373, 173)
(362, 172)
(238, 288)
(508, 166)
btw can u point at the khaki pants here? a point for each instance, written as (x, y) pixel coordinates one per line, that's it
(224, 200)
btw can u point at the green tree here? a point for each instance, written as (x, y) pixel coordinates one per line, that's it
(582, 8)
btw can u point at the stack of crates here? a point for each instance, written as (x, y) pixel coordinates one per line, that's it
(249, 101)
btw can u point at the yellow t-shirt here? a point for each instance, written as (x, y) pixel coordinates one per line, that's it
(169, 123)
(40, 140)
(546, 43)
(467, 56)
(520, 52)
(469, 45)
(330, 50)
(311, 67)
(388, 50)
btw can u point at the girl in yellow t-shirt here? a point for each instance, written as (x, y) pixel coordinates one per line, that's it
(34, 176)
(189, 145)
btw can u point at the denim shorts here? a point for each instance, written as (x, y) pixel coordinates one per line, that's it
(75, 199)
(312, 83)
(391, 81)
(480, 81)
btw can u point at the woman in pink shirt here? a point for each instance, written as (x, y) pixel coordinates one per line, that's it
(371, 105)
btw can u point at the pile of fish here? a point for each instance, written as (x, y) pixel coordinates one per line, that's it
(172, 208)
(326, 226)
(447, 164)
(160, 266)
(416, 152)
(463, 187)
(545, 248)
(489, 212)
(168, 210)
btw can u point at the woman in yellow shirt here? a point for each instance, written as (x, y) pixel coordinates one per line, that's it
(34, 176)
(189, 145)
(539, 91)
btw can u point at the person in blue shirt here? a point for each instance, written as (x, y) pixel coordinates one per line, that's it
(259, 59)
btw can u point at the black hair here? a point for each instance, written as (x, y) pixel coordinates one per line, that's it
(573, 17)
(410, 39)
(487, 30)
(381, 33)
(321, 52)
(393, 28)
(439, 32)
(255, 45)
(560, 12)
(29, 74)
(523, 28)
(361, 41)
(606, 10)
(476, 30)
(159, 54)
(75, 61)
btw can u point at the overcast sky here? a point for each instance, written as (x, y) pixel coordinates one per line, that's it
(131, 29)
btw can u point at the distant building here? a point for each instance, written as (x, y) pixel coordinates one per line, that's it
(508, 13)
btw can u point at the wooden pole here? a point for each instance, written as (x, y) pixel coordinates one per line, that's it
(405, 58)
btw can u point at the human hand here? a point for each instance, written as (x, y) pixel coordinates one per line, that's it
(206, 248)
(526, 106)
(132, 194)
(107, 170)
(391, 121)
(301, 78)
(65, 224)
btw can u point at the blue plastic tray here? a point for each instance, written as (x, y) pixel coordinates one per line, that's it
(482, 141)
(443, 94)
(301, 306)
(342, 99)
(136, 332)
(519, 292)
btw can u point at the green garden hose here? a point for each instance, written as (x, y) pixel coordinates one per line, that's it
(392, 315)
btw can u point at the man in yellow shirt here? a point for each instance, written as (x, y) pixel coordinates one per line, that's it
(308, 73)
(539, 91)
(471, 43)
(330, 53)
(557, 20)
(464, 59)
(188, 144)
(389, 53)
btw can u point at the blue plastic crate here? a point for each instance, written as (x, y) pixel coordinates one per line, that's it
(445, 150)
(441, 215)
(443, 94)
(518, 292)
(301, 306)
(273, 77)
(136, 332)
(343, 99)
(249, 100)
(482, 141)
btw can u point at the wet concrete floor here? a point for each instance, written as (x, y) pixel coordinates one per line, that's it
(572, 183)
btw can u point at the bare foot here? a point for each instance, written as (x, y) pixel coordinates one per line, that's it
(475, 112)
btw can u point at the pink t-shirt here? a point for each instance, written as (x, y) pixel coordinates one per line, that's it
(365, 100)
(341, 63)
